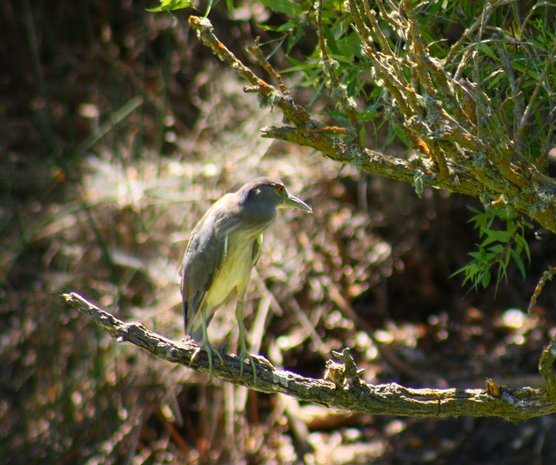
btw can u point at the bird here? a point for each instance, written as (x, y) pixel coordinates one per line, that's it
(223, 248)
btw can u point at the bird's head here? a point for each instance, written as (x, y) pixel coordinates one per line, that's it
(265, 195)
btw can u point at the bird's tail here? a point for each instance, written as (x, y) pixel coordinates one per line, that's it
(193, 324)
(185, 319)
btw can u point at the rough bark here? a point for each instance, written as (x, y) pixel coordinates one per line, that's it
(342, 385)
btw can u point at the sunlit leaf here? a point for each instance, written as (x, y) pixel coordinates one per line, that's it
(170, 5)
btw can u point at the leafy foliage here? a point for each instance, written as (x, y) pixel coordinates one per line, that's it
(498, 57)
(503, 241)
(504, 51)
(508, 59)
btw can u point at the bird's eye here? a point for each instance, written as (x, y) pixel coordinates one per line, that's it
(280, 189)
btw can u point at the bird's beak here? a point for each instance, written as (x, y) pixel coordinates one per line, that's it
(291, 201)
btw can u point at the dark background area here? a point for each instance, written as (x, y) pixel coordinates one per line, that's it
(117, 130)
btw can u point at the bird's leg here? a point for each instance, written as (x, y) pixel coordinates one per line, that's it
(206, 346)
(209, 350)
(243, 354)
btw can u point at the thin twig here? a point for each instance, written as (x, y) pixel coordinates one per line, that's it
(394, 81)
(255, 50)
(294, 113)
(546, 276)
(529, 108)
(546, 369)
(339, 93)
(480, 21)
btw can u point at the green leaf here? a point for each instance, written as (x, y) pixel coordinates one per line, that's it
(488, 51)
(296, 37)
(477, 255)
(284, 6)
(367, 115)
(170, 5)
(485, 280)
(496, 236)
(519, 263)
(522, 245)
(286, 27)
(495, 250)
(402, 136)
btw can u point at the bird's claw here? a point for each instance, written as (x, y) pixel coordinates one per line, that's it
(242, 356)
(210, 351)
(252, 358)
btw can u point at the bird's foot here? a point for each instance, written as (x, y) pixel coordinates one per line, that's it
(245, 355)
(210, 351)
(252, 358)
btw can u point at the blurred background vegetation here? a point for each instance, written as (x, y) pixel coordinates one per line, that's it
(117, 130)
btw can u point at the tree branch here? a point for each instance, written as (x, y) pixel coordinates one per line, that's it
(453, 152)
(343, 387)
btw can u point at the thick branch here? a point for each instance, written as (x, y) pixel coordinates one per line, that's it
(346, 390)
(401, 169)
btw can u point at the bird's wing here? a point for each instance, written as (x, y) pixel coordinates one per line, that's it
(203, 259)
(257, 247)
